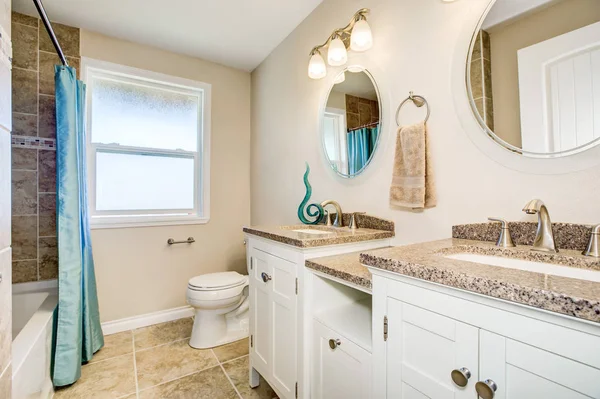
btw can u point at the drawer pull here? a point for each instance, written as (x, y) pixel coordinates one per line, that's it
(334, 343)
(486, 389)
(265, 277)
(461, 376)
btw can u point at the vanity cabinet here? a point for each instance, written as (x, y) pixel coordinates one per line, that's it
(423, 332)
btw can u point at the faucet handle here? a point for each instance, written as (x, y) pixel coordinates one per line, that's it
(353, 223)
(593, 248)
(504, 240)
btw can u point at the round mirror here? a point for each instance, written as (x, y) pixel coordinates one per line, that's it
(351, 120)
(533, 75)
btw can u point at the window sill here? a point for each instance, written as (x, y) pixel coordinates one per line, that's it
(125, 223)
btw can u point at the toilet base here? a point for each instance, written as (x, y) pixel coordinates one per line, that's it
(212, 329)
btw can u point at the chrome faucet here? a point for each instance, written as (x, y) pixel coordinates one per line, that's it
(593, 248)
(338, 222)
(544, 237)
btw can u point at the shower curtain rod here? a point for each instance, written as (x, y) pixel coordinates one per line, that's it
(48, 25)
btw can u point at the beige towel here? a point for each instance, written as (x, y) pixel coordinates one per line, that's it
(412, 177)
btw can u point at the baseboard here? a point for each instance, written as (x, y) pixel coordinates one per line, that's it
(148, 319)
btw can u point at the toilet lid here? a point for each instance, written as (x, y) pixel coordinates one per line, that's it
(213, 281)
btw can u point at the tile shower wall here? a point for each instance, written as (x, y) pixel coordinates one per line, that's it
(360, 111)
(35, 252)
(481, 78)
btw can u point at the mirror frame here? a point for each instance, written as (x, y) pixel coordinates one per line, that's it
(322, 121)
(489, 132)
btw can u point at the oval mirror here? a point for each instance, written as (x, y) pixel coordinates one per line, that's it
(533, 75)
(350, 123)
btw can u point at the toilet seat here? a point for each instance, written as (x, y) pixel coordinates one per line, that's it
(217, 281)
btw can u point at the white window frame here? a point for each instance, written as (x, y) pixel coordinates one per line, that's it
(141, 218)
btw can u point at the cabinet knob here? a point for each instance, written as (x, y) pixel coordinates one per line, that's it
(461, 376)
(265, 277)
(334, 343)
(486, 389)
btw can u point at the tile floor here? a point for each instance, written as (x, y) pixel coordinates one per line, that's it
(157, 362)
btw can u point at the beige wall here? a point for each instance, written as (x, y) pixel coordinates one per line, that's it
(414, 49)
(561, 18)
(137, 272)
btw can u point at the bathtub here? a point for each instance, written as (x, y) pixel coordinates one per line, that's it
(33, 306)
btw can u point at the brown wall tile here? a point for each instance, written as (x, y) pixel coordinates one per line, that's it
(486, 45)
(24, 237)
(47, 171)
(24, 192)
(352, 120)
(24, 158)
(476, 54)
(47, 63)
(48, 262)
(47, 207)
(476, 79)
(25, 43)
(24, 124)
(24, 271)
(24, 19)
(67, 36)
(487, 78)
(47, 115)
(351, 104)
(364, 112)
(24, 91)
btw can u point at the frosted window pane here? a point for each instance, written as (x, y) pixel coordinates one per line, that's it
(128, 114)
(143, 182)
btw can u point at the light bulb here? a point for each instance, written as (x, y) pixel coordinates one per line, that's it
(337, 54)
(316, 66)
(361, 38)
(340, 78)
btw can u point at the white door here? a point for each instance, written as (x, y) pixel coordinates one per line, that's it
(559, 90)
(340, 373)
(260, 311)
(284, 327)
(523, 371)
(422, 350)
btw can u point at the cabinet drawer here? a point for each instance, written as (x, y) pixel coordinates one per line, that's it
(342, 372)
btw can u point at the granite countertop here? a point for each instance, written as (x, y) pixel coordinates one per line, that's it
(426, 261)
(370, 228)
(346, 267)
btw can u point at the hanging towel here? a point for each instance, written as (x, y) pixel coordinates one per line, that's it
(412, 176)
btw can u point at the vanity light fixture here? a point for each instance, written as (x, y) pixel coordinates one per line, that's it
(356, 36)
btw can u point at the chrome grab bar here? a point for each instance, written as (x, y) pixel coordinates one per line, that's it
(190, 240)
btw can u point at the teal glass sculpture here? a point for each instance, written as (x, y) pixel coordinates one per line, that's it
(313, 210)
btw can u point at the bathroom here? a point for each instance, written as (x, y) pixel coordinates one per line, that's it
(427, 300)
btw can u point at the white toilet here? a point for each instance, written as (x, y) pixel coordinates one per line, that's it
(221, 302)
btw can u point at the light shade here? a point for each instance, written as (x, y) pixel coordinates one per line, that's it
(316, 66)
(337, 54)
(361, 38)
(340, 78)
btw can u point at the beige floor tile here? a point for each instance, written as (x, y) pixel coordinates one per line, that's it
(167, 362)
(163, 333)
(115, 345)
(232, 350)
(237, 370)
(111, 378)
(208, 384)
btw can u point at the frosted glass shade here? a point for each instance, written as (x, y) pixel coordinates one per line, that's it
(337, 54)
(316, 67)
(361, 38)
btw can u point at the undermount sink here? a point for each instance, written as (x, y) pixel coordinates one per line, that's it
(538, 267)
(311, 231)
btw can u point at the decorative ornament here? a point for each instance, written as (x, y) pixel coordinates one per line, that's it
(313, 210)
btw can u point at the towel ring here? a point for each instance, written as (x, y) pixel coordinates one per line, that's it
(419, 101)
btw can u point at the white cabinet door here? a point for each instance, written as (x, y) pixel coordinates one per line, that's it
(422, 350)
(523, 371)
(340, 373)
(273, 320)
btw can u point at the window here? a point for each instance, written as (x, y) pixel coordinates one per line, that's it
(147, 147)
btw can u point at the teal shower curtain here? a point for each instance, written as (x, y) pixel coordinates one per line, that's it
(361, 144)
(77, 321)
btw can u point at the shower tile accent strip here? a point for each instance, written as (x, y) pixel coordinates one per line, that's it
(33, 142)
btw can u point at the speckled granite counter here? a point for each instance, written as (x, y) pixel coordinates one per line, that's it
(371, 228)
(346, 267)
(426, 261)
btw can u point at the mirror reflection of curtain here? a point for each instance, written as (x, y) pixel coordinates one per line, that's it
(361, 144)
